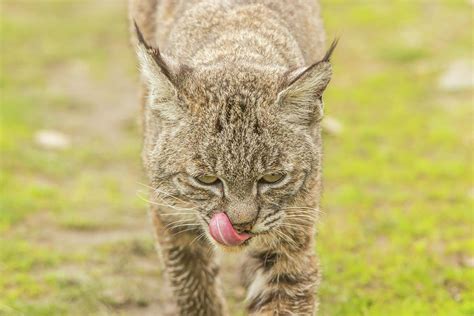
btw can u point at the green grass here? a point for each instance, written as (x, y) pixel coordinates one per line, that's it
(397, 234)
(399, 223)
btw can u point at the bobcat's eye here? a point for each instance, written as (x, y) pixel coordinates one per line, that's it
(272, 177)
(207, 179)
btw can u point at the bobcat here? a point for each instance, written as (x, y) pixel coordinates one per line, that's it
(232, 105)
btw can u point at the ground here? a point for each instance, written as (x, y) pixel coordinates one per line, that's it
(396, 237)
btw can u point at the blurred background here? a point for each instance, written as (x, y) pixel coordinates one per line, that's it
(396, 237)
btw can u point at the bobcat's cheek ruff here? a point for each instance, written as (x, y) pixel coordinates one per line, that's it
(223, 232)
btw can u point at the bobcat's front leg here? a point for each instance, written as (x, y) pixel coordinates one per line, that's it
(282, 280)
(191, 270)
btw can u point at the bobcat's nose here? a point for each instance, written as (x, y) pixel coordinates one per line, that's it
(242, 213)
(243, 227)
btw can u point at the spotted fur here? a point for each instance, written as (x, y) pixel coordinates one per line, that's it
(234, 89)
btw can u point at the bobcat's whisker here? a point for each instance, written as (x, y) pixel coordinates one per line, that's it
(285, 237)
(315, 214)
(180, 225)
(300, 217)
(303, 208)
(183, 231)
(177, 225)
(164, 204)
(182, 222)
(197, 238)
(291, 226)
(156, 190)
(296, 207)
(172, 203)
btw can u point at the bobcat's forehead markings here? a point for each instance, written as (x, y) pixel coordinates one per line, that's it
(232, 101)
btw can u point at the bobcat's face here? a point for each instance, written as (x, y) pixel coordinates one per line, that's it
(244, 142)
(232, 152)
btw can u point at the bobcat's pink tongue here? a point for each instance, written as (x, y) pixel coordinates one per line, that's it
(223, 232)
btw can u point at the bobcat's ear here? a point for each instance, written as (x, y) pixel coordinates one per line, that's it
(300, 100)
(160, 75)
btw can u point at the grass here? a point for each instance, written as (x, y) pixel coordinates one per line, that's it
(397, 236)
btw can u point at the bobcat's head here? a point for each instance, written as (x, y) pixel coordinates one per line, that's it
(237, 147)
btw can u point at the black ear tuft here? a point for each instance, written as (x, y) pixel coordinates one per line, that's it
(140, 37)
(326, 59)
(327, 56)
(301, 100)
(154, 52)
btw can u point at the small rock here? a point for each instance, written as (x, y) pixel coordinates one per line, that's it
(470, 193)
(50, 139)
(468, 262)
(332, 126)
(458, 76)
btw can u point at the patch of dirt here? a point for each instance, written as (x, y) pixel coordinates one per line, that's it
(102, 108)
(121, 268)
(43, 230)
